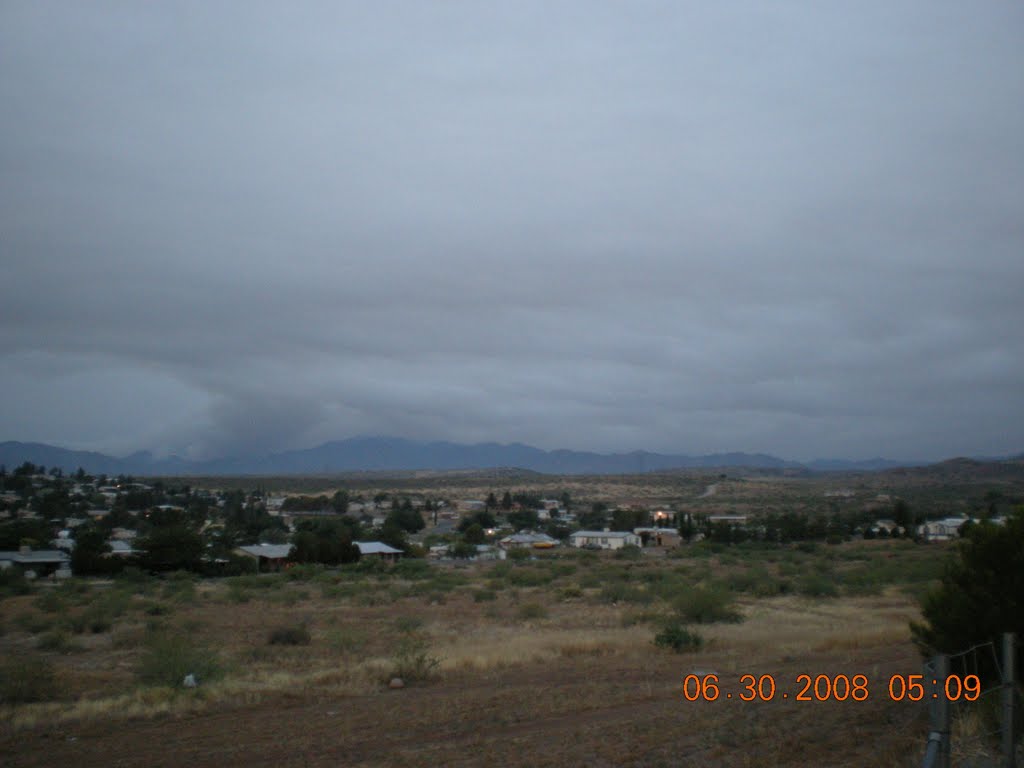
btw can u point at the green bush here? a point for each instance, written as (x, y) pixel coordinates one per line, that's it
(26, 678)
(629, 552)
(678, 638)
(304, 572)
(50, 601)
(816, 585)
(346, 640)
(531, 611)
(622, 592)
(58, 641)
(631, 618)
(572, 592)
(168, 658)
(484, 595)
(413, 661)
(979, 597)
(289, 636)
(706, 605)
(411, 568)
(13, 583)
(530, 577)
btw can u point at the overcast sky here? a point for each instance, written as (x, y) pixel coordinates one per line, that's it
(236, 227)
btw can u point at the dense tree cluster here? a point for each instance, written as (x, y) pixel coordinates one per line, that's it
(329, 542)
(981, 594)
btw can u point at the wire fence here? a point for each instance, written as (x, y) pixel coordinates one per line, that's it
(974, 724)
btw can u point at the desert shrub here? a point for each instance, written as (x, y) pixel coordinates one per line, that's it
(13, 583)
(408, 625)
(50, 601)
(706, 605)
(238, 595)
(772, 586)
(412, 660)
(260, 582)
(346, 640)
(35, 623)
(26, 678)
(412, 568)
(531, 611)
(93, 620)
(304, 572)
(179, 587)
(585, 558)
(629, 552)
(298, 635)
(339, 591)
(373, 566)
(157, 609)
(58, 641)
(756, 581)
(632, 618)
(860, 582)
(372, 597)
(530, 577)
(816, 585)
(519, 553)
(484, 595)
(560, 570)
(168, 658)
(444, 581)
(572, 592)
(678, 638)
(621, 592)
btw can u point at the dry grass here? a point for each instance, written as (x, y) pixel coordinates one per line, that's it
(571, 669)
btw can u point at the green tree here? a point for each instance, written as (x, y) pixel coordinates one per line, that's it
(628, 519)
(339, 501)
(474, 534)
(394, 536)
(506, 501)
(596, 518)
(329, 542)
(981, 594)
(524, 518)
(88, 558)
(171, 548)
(483, 519)
(406, 518)
(686, 527)
(492, 501)
(462, 550)
(31, 531)
(903, 517)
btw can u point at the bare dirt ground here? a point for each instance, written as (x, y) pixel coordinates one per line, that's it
(602, 713)
(573, 688)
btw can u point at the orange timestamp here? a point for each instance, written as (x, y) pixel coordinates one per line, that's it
(839, 687)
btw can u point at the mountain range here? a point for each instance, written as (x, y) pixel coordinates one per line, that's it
(399, 454)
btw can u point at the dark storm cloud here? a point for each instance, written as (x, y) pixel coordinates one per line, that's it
(678, 227)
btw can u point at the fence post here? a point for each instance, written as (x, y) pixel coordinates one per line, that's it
(937, 755)
(1009, 740)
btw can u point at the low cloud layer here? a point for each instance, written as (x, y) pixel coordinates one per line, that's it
(795, 230)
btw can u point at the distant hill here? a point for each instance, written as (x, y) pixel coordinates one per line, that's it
(374, 454)
(865, 465)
